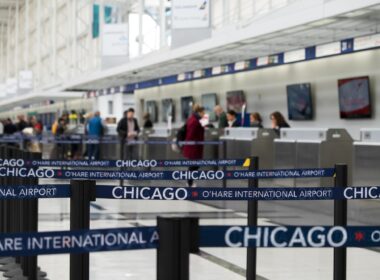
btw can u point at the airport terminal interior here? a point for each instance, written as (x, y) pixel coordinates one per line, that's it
(243, 135)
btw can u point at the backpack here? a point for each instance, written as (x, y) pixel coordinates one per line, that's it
(181, 133)
(180, 136)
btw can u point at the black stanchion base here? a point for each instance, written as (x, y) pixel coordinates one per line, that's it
(17, 272)
(4, 261)
(9, 267)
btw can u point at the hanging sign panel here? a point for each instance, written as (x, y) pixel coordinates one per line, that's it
(190, 14)
(115, 39)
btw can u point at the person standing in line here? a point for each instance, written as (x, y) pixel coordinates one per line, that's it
(9, 127)
(21, 123)
(194, 132)
(231, 118)
(256, 120)
(278, 122)
(128, 130)
(95, 131)
(148, 124)
(222, 117)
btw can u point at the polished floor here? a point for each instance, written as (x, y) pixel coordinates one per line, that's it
(210, 263)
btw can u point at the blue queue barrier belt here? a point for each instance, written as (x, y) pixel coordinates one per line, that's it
(117, 239)
(36, 191)
(289, 236)
(63, 242)
(242, 194)
(195, 194)
(176, 175)
(124, 163)
(97, 140)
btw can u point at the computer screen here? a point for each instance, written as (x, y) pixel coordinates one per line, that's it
(300, 105)
(354, 98)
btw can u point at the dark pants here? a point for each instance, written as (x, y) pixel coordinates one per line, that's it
(192, 168)
(93, 151)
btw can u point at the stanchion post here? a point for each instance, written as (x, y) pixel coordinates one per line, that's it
(253, 183)
(31, 223)
(224, 156)
(82, 193)
(178, 238)
(340, 219)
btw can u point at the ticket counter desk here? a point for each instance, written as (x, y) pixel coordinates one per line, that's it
(366, 154)
(143, 149)
(244, 142)
(366, 162)
(110, 150)
(211, 151)
(158, 151)
(313, 148)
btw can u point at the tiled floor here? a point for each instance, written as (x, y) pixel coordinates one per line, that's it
(224, 264)
(273, 264)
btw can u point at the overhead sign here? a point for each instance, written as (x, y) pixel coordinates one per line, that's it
(11, 86)
(367, 42)
(328, 49)
(25, 80)
(190, 14)
(115, 40)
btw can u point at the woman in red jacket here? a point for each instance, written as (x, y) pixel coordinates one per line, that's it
(194, 132)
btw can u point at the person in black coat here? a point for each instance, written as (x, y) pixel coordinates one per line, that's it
(128, 130)
(148, 124)
(231, 118)
(255, 120)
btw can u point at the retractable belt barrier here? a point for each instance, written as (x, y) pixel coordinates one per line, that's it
(122, 163)
(176, 175)
(82, 139)
(199, 193)
(118, 239)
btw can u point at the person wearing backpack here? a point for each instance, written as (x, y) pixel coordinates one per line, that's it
(194, 132)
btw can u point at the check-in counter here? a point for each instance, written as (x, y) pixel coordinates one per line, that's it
(366, 162)
(211, 151)
(366, 154)
(245, 142)
(110, 150)
(143, 149)
(313, 148)
(158, 151)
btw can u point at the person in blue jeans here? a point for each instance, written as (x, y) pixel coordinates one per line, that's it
(94, 131)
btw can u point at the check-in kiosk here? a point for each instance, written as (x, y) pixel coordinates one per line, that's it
(244, 142)
(211, 151)
(110, 150)
(366, 162)
(143, 149)
(158, 151)
(313, 148)
(366, 154)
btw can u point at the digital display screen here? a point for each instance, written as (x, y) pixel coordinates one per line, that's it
(151, 109)
(300, 105)
(235, 100)
(209, 103)
(167, 109)
(354, 98)
(187, 103)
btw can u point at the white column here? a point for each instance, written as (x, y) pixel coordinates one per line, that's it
(2, 39)
(141, 20)
(74, 37)
(39, 41)
(17, 22)
(54, 39)
(162, 14)
(26, 34)
(8, 71)
(101, 23)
